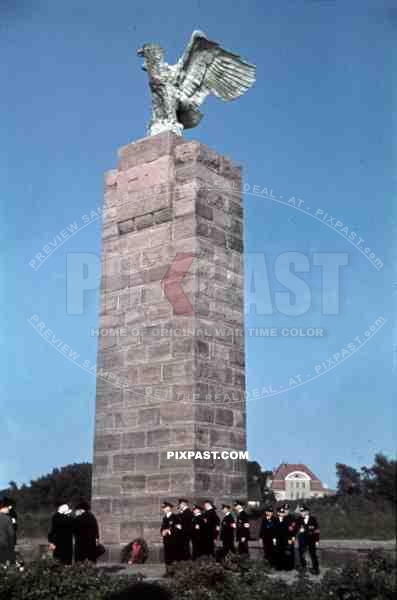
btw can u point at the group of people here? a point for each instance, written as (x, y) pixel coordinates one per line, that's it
(189, 533)
(74, 534)
(279, 532)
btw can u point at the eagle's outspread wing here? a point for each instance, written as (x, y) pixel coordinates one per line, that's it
(206, 68)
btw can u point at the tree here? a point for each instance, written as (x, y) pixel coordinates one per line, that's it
(71, 483)
(258, 483)
(254, 476)
(380, 479)
(349, 480)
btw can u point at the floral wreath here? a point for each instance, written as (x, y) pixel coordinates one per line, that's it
(136, 552)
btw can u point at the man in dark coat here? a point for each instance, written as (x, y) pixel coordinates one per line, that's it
(198, 532)
(86, 534)
(228, 528)
(285, 539)
(212, 528)
(60, 537)
(170, 533)
(309, 538)
(185, 519)
(242, 528)
(7, 536)
(12, 513)
(267, 535)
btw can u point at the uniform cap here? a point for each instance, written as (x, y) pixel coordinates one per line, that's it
(167, 505)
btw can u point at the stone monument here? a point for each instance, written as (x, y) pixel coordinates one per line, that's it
(171, 365)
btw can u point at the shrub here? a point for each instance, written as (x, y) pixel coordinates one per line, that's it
(205, 579)
(372, 579)
(49, 580)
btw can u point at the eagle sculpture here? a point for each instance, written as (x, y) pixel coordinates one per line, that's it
(178, 90)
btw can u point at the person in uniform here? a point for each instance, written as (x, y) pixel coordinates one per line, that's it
(211, 529)
(12, 513)
(284, 554)
(185, 519)
(7, 549)
(169, 532)
(309, 539)
(242, 528)
(292, 528)
(60, 536)
(198, 532)
(228, 528)
(267, 535)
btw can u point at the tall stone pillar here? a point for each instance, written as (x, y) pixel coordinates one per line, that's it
(173, 379)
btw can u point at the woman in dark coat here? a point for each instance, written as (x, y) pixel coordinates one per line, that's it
(86, 534)
(60, 536)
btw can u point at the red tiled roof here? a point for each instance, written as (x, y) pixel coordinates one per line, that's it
(317, 486)
(286, 468)
(278, 485)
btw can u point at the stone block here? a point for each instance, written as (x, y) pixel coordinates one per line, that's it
(178, 371)
(147, 150)
(110, 533)
(179, 411)
(224, 417)
(144, 221)
(183, 480)
(205, 414)
(186, 153)
(158, 484)
(109, 441)
(101, 506)
(146, 462)
(133, 483)
(129, 530)
(123, 462)
(183, 227)
(133, 439)
(149, 416)
(104, 421)
(158, 438)
(163, 215)
(101, 464)
(107, 486)
(149, 374)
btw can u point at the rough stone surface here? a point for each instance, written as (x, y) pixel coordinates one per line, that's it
(159, 389)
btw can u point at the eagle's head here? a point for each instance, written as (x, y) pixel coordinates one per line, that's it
(152, 54)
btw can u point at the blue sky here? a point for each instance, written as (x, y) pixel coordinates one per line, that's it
(316, 126)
